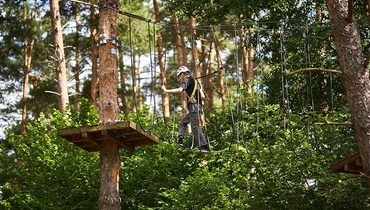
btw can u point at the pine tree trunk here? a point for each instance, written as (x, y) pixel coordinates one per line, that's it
(165, 99)
(77, 68)
(194, 47)
(123, 85)
(109, 175)
(27, 50)
(221, 77)
(25, 79)
(139, 96)
(94, 60)
(208, 81)
(247, 66)
(61, 70)
(368, 10)
(108, 105)
(181, 56)
(355, 75)
(250, 74)
(133, 79)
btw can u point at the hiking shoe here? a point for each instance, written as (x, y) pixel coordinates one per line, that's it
(203, 149)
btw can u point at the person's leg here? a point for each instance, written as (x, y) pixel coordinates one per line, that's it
(182, 129)
(196, 129)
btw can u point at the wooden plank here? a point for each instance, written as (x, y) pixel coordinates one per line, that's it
(359, 162)
(68, 131)
(145, 133)
(351, 164)
(352, 168)
(90, 138)
(340, 164)
(111, 137)
(127, 134)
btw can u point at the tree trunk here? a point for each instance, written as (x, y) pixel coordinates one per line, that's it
(94, 59)
(247, 66)
(133, 79)
(355, 75)
(181, 57)
(109, 175)
(221, 77)
(222, 86)
(108, 105)
(61, 70)
(192, 24)
(181, 54)
(368, 10)
(139, 96)
(34, 80)
(77, 68)
(318, 14)
(208, 81)
(165, 99)
(28, 51)
(250, 73)
(123, 85)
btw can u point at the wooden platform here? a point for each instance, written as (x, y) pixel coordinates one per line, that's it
(127, 134)
(351, 164)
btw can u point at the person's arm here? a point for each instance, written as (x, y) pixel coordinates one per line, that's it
(175, 90)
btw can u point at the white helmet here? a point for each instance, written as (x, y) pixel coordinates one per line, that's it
(182, 69)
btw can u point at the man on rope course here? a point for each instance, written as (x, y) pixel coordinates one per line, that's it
(194, 104)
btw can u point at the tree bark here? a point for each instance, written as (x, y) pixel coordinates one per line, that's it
(108, 104)
(355, 75)
(123, 86)
(192, 24)
(109, 175)
(221, 77)
(368, 10)
(27, 54)
(165, 99)
(133, 79)
(247, 66)
(61, 70)
(181, 56)
(139, 96)
(77, 68)
(94, 59)
(208, 81)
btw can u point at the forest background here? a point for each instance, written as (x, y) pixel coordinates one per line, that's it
(277, 112)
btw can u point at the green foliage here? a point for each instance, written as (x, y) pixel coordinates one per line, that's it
(87, 115)
(261, 159)
(43, 171)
